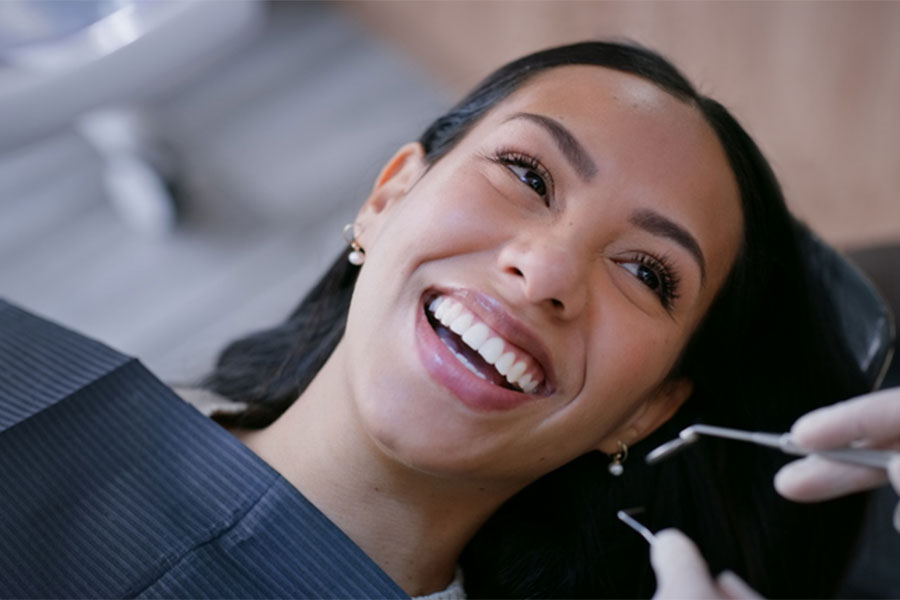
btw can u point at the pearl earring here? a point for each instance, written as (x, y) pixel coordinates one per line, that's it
(357, 255)
(616, 466)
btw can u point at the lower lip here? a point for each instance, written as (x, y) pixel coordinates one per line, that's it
(444, 367)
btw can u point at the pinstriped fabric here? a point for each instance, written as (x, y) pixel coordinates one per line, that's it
(111, 486)
(261, 537)
(32, 349)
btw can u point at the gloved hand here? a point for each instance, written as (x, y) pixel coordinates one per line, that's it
(681, 571)
(872, 420)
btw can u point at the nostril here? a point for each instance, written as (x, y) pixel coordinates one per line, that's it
(556, 303)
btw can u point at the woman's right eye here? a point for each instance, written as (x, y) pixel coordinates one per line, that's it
(529, 171)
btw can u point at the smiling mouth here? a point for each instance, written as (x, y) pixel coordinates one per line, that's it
(481, 350)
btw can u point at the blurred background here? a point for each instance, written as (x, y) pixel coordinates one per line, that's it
(174, 174)
(187, 181)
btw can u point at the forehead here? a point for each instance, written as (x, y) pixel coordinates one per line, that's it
(649, 146)
(617, 114)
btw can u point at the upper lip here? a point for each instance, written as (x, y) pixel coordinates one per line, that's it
(494, 314)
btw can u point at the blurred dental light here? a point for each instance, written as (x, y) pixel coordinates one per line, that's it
(60, 59)
(58, 34)
(24, 22)
(66, 63)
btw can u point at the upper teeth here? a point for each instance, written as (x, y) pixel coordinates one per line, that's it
(492, 348)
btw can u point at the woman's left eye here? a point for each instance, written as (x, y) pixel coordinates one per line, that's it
(656, 275)
(529, 171)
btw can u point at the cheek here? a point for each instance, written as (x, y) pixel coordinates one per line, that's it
(628, 358)
(452, 215)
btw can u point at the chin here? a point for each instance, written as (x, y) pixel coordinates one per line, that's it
(432, 442)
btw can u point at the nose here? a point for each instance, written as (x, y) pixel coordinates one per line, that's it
(547, 272)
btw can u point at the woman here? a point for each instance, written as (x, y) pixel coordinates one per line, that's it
(619, 254)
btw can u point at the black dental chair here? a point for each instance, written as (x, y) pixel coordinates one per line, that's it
(863, 317)
(866, 323)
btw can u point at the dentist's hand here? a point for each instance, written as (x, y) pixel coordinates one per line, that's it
(681, 571)
(872, 420)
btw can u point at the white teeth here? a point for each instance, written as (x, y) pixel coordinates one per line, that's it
(516, 372)
(454, 309)
(441, 308)
(461, 323)
(504, 363)
(528, 387)
(454, 316)
(491, 350)
(476, 335)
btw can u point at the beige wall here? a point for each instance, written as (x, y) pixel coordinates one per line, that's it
(816, 84)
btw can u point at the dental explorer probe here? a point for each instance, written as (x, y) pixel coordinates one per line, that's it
(781, 441)
(625, 516)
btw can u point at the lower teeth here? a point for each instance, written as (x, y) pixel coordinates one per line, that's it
(467, 364)
(471, 367)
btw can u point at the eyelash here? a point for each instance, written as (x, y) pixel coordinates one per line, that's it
(666, 275)
(512, 158)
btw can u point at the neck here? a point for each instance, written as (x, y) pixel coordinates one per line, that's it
(412, 524)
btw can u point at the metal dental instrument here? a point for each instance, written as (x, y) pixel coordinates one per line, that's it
(625, 517)
(782, 441)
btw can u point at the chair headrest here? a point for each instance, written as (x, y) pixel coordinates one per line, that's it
(863, 319)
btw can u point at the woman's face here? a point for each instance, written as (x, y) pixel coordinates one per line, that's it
(582, 228)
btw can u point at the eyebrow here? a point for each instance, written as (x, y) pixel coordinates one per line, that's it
(568, 145)
(656, 224)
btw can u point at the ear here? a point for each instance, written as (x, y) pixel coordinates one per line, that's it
(650, 414)
(395, 180)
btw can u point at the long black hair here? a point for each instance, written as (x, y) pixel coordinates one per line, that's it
(761, 358)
